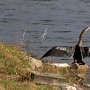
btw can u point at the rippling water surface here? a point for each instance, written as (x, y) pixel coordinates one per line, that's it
(63, 19)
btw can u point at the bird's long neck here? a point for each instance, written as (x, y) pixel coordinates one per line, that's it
(81, 36)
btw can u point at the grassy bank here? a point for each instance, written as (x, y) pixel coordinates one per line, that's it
(14, 65)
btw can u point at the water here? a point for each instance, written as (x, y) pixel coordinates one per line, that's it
(64, 20)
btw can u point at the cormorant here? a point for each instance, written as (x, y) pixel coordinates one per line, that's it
(78, 52)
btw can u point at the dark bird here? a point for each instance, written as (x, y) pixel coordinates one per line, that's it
(77, 52)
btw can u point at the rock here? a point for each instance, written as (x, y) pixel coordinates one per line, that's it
(61, 64)
(34, 63)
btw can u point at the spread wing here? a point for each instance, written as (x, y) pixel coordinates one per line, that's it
(86, 51)
(61, 51)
